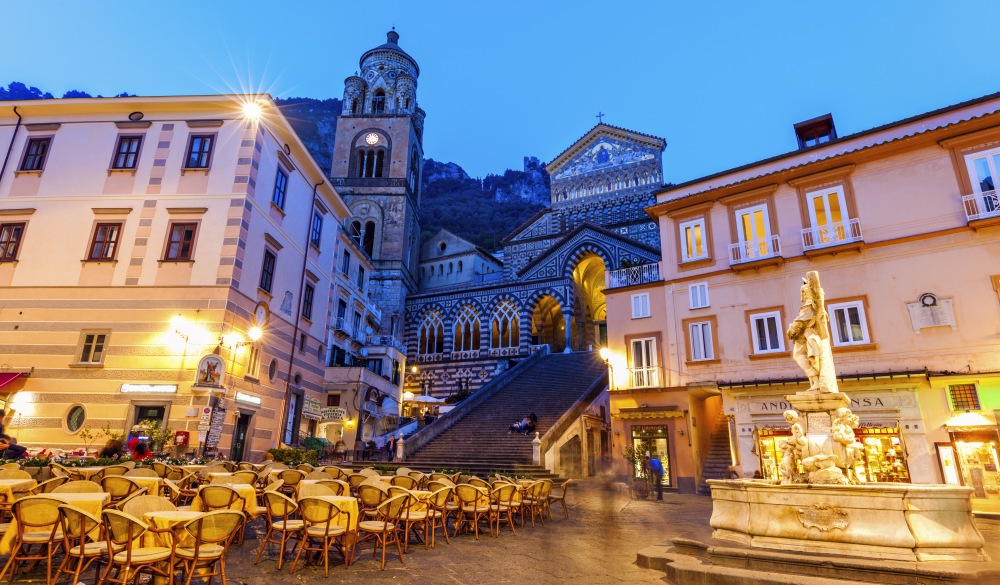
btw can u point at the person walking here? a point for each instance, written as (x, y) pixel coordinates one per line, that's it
(656, 469)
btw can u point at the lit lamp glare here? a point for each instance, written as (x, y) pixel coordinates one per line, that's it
(407, 395)
(230, 340)
(252, 111)
(605, 354)
(255, 333)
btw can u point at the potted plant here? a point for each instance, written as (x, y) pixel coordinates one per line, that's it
(639, 487)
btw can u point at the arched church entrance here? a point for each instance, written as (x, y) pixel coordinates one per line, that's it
(590, 329)
(548, 326)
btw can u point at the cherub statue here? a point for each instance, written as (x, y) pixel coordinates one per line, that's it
(792, 448)
(810, 337)
(850, 451)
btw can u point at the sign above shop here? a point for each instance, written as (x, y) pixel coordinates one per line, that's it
(334, 413)
(312, 409)
(149, 388)
(248, 398)
(859, 402)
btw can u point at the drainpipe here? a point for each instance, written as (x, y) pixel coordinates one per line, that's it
(295, 317)
(11, 147)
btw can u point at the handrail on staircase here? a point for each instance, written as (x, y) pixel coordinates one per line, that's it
(563, 423)
(430, 432)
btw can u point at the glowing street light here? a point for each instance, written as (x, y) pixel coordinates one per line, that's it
(252, 111)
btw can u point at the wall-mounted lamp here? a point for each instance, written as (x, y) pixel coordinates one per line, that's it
(180, 327)
(349, 423)
(680, 432)
(414, 369)
(407, 395)
(605, 354)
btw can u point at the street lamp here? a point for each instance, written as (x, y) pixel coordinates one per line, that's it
(605, 354)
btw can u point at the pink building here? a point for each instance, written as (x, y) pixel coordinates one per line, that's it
(903, 224)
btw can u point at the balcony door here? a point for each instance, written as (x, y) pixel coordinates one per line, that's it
(827, 214)
(645, 373)
(754, 232)
(983, 167)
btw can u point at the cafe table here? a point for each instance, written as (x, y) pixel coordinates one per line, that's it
(11, 489)
(91, 503)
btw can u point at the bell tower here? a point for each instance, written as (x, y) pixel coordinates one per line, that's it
(377, 158)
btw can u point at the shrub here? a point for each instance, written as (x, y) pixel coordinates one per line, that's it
(293, 457)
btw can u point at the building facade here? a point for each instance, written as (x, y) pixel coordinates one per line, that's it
(901, 223)
(473, 312)
(167, 260)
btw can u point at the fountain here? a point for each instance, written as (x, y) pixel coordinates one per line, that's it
(820, 506)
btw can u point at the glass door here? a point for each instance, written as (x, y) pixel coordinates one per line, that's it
(983, 169)
(827, 212)
(651, 439)
(754, 232)
(240, 438)
(644, 371)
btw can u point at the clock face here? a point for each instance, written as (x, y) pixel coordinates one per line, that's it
(261, 315)
(371, 138)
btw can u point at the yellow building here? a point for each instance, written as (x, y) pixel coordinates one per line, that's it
(901, 221)
(167, 259)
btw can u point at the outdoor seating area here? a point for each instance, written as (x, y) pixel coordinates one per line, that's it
(116, 524)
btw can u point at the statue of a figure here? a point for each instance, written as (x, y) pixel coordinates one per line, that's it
(793, 448)
(849, 451)
(810, 337)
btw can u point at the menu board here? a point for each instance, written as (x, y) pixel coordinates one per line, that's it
(215, 430)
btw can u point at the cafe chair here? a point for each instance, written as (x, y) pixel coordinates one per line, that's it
(48, 485)
(280, 508)
(385, 526)
(128, 557)
(80, 486)
(321, 531)
(37, 523)
(83, 543)
(210, 536)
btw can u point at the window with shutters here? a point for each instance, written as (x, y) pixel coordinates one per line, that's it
(766, 332)
(698, 293)
(640, 305)
(693, 243)
(848, 323)
(92, 347)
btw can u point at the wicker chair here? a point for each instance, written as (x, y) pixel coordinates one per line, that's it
(141, 472)
(11, 465)
(247, 476)
(439, 507)
(120, 487)
(309, 490)
(404, 481)
(48, 485)
(384, 527)
(319, 529)
(370, 497)
(118, 469)
(211, 534)
(123, 532)
(120, 504)
(78, 487)
(160, 469)
(318, 475)
(279, 509)
(139, 505)
(471, 507)
(335, 472)
(503, 506)
(370, 472)
(128, 464)
(340, 488)
(354, 480)
(561, 498)
(304, 467)
(219, 497)
(14, 473)
(291, 477)
(81, 550)
(533, 502)
(37, 521)
(478, 482)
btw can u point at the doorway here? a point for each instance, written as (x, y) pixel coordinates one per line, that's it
(240, 437)
(149, 413)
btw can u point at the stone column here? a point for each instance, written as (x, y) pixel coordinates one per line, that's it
(400, 451)
(568, 318)
(536, 450)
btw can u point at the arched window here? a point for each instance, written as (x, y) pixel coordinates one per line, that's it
(355, 106)
(369, 238)
(414, 170)
(407, 103)
(371, 162)
(441, 268)
(451, 267)
(459, 265)
(467, 329)
(378, 102)
(431, 338)
(356, 232)
(505, 330)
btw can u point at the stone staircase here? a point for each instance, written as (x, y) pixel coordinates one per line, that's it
(719, 458)
(479, 441)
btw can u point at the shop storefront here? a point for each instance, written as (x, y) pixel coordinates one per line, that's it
(654, 440)
(884, 455)
(971, 459)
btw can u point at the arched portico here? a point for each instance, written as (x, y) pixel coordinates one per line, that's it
(548, 326)
(589, 326)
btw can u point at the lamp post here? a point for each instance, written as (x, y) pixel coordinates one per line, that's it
(605, 354)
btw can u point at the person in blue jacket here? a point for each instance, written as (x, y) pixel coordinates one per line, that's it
(656, 470)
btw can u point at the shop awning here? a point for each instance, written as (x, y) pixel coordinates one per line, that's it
(427, 399)
(647, 412)
(8, 377)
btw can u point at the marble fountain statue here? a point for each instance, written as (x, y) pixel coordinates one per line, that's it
(820, 506)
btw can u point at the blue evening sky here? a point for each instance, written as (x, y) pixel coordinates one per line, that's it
(722, 82)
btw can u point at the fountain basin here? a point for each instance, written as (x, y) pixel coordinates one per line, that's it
(903, 522)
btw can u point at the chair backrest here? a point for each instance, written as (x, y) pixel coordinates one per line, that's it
(418, 476)
(391, 509)
(438, 476)
(248, 476)
(120, 504)
(534, 490)
(141, 472)
(213, 468)
(36, 512)
(94, 477)
(117, 469)
(279, 505)
(277, 466)
(546, 488)
(503, 493)
(291, 476)
(11, 465)
(318, 512)
(335, 472)
(439, 498)
(160, 469)
(244, 466)
(477, 482)
(469, 494)
(122, 529)
(404, 481)
(339, 487)
(318, 475)
(215, 527)
(355, 479)
(175, 473)
(128, 464)
(371, 496)
(308, 490)
(274, 485)
(403, 471)
(58, 470)
(229, 465)
(14, 474)
(118, 486)
(47, 486)
(218, 497)
(139, 505)
(304, 467)
(395, 490)
(370, 472)
(76, 523)
(78, 487)
(228, 479)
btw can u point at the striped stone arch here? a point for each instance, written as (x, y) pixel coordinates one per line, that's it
(494, 301)
(457, 306)
(561, 297)
(583, 250)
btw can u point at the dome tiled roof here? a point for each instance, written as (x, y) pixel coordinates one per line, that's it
(391, 46)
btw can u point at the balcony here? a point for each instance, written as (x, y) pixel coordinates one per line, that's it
(982, 209)
(386, 341)
(646, 377)
(835, 237)
(755, 253)
(342, 325)
(643, 274)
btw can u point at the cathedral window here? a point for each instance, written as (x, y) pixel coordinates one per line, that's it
(407, 103)
(378, 102)
(355, 106)
(356, 232)
(414, 170)
(431, 334)
(459, 265)
(467, 329)
(369, 238)
(505, 330)
(370, 162)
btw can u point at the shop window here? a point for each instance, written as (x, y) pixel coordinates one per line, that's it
(964, 397)
(652, 439)
(640, 305)
(978, 462)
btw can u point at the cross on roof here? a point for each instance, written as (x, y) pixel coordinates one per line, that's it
(600, 117)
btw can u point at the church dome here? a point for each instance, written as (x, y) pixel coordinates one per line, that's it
(389, 56)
